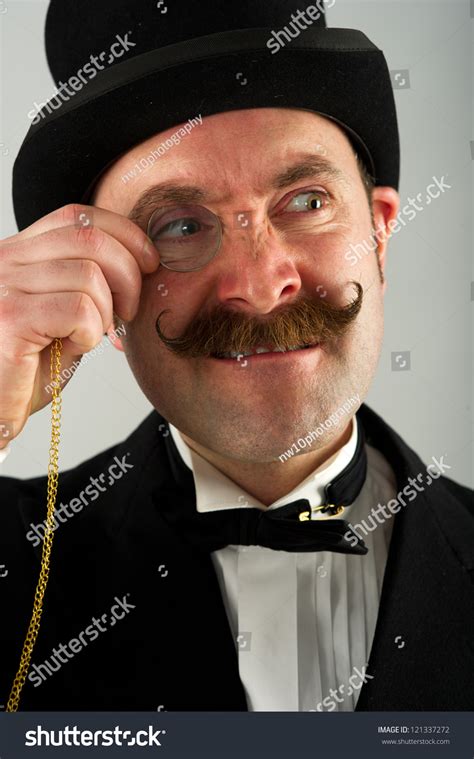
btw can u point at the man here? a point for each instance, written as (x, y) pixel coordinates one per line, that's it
(272, 544)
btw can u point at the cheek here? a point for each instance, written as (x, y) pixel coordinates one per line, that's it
(331, 268)
(168, 291)
(328, 260)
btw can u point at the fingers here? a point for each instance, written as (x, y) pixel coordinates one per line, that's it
(67, 276)
(122, 271)
(124, 230)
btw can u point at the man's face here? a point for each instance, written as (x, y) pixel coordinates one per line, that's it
(253, 408)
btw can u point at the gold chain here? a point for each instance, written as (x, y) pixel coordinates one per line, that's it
(33, 629)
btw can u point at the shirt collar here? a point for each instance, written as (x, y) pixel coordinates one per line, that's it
(214, 490)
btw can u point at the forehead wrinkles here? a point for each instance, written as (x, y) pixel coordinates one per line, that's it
(229, 177)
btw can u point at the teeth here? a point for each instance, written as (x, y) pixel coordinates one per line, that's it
(233, 354)
(261, 349)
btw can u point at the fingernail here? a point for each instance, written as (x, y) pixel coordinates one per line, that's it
(150, 253)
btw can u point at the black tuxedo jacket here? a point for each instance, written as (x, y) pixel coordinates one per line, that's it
(170, 646)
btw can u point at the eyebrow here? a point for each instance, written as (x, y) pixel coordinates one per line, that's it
(310, 166)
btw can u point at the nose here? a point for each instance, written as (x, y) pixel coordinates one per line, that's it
(257, 271)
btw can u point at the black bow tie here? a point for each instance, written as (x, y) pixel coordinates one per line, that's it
(286, 528)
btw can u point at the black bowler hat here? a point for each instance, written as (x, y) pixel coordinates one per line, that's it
(133, 68)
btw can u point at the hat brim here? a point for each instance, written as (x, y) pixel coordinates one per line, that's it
(336, 72)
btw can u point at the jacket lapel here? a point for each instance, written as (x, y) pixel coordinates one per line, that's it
(422, 654)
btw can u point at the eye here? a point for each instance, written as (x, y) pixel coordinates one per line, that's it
(311, 200)
(178, 228)
(186, 237)
(179, 224)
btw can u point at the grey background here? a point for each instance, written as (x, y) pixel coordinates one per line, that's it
(429, 270)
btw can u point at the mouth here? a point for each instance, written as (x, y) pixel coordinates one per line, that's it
(260, 350)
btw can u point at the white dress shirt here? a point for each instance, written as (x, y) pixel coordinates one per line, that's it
(302, 622)
(4, 453)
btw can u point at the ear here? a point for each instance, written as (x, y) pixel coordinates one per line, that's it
(114, 334)
(385, 204)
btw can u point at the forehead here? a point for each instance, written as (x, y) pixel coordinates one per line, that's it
(231, 150)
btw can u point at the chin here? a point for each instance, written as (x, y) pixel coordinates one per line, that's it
(264, 444)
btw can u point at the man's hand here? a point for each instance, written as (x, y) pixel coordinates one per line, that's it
(63, 276)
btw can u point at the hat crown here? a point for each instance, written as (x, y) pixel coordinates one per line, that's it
(177, 62)
(76, 30)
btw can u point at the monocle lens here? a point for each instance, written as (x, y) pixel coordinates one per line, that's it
(187, 237)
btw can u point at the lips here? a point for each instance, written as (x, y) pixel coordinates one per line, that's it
(259, 349)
